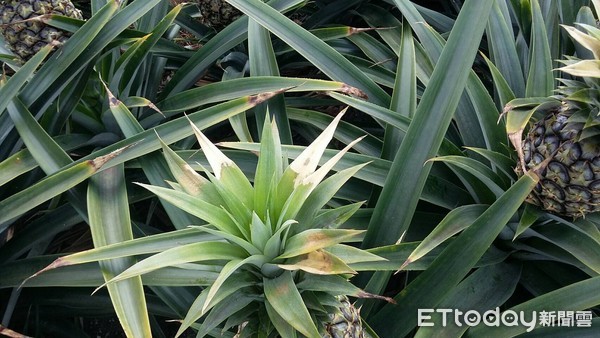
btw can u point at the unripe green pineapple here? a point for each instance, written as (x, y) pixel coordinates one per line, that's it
(564, 144)
(24, 33)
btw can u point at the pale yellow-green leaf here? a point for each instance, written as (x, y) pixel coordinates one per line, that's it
(226, 171)
(585, 68)
(319, 262)
(187, 177)
(304, 187)
(294, 202)
(269, 168)
(585, 40)
(215, 157)
(597, 7)
(283, 296)
(195, 252)
(259, 232)
(238, 212)
(321, 195)
(241, 242)
(314, 239)
(236, 184)
(306, 163)
(228, 269)
(210, 213)
(351, 255)
(316, 177)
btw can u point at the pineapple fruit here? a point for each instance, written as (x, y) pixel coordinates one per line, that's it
(216, 13)
(344, 321)
(24, 33)
(566, 139)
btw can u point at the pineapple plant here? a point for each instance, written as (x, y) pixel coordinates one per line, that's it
(23, 29)
(283, 261)
(565, 138)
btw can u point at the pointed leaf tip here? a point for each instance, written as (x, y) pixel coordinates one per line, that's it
(405, 264)
(320, 173)
(112, 100)
(215, 157)
(306, 163)
(57, 263)
(4, 331)
(100, 287)
(364, 294)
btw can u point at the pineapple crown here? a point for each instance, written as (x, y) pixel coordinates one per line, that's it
(582, 93)
(272, 242)
(577, 97)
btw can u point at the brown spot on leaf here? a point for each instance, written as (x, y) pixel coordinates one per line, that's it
(262, 97)
(364, 294)
(353, 91)
(316, 237)
(98, 162)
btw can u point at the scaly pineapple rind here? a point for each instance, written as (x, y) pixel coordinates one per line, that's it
(24, 33)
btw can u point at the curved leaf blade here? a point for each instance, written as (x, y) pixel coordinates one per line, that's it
(282, 295)
(109, 217)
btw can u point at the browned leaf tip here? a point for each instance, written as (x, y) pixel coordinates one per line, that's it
(4, 331)
(515, 139)
(365, 294)
(505, 111)
(408, 261)
(155, 108)
(112, 100)
(56, 264)
(356, 30)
